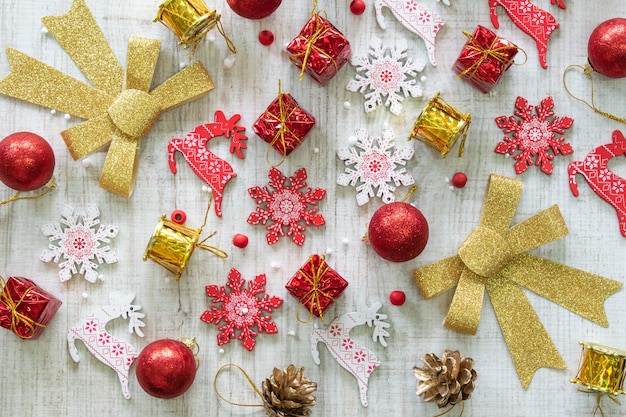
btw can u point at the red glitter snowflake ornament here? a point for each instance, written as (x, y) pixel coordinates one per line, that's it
(534, 135)
(286, 206)
(241, 309)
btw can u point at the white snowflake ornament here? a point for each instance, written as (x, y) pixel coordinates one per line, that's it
(76, 240)
(376, 165)
(389, 73)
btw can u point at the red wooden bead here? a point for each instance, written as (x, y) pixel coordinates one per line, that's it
(241, 241)
(178, 216)
(397, 297)
(459, 179)
(266, 37)
(357, 7)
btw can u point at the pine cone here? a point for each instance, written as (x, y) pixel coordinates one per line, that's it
(287, 393)
(448, 380)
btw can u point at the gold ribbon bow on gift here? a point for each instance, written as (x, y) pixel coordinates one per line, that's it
(493, 257)
(119, 108)
(18, 318)
(498, 54)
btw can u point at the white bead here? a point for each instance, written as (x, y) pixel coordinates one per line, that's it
(229, 62)
(347, 105)
(210, 37)
(345, 241)
(85, 294)
(220, 351)
(44, 30)
(451, 188)
(244, 310)
(316, 150)
(447, 180)
(423, 78)
(67, 116)
(329, 251)
(275, 265)
(352, 140)
(182, 65)
(86, 162)
(53, 112)
(291, 333)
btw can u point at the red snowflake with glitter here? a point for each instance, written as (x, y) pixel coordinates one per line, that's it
(286, 206)
(241, 309)
(534, 135)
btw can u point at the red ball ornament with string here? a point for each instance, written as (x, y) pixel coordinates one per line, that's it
(166, 368)
(26, 161)
(398, 232)
(606, 48)
(254, 9)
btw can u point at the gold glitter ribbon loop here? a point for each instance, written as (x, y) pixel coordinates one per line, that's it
(119, 110)
(493, 258)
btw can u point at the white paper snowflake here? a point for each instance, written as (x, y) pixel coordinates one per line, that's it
(375, 166)
(79, 243)
(390, 75)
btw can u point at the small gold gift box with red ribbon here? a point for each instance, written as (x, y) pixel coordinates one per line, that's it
(320, 49)
(316, 285)
(284, 124)
(26, 308)
(484, 59)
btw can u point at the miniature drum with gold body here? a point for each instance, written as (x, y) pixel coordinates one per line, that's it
(440, 125)
(602, 368)
(190, 20)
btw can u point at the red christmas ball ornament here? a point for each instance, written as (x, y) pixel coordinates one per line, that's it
(357, 7)
(266, 37)
(26, 161)
(606, 48)
(398, 232)
(166, 368)
(254, 9)
(397, 297)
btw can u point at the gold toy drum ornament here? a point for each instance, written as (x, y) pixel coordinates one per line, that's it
(601, 368)
(440, 125)
(172, 244)
(190, 20)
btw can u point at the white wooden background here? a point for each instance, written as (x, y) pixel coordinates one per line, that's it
(39, 377)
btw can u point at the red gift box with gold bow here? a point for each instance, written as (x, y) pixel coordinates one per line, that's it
(26, 308)
(484, 58)
(284, 124)
(320, 49)
(316, 285)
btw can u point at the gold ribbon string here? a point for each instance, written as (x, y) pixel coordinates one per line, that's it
(493, 258)
(231, 46)
(209, 248)
(18, 318)
(489, 52)
(245, 374)
(313, 296)
(282, 117)
(320, 30)
(50, 185)
(588, 71)
(119, 108)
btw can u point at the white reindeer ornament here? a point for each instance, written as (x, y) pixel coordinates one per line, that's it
(414, 16)
(354, 358)
(115, 353)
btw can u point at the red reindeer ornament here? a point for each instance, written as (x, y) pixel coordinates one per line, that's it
(610, 187)
(213, 170)
(535, 22)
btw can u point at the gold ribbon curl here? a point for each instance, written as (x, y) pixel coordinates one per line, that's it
(18, 318)
(493, 258)
(119, 107)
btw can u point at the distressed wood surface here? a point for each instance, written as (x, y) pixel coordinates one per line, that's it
(39, 377)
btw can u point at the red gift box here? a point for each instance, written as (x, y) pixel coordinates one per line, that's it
(484, 58)
(26, 308)
(320, 49)
(316, 285)
(284, 124)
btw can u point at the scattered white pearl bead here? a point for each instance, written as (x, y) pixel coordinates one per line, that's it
(352, 140)
(67, 116)
(220, 351)
(386, 125)
(85, 294)
(87, 163)
(451, 188)
(101, 277)
(345, 241)
(329, 251)
(167, 280)
(315, 326)
(44, 30)
(316, 150)
(210, 37)
(506, 155)
(229, 62)
(182, 65)
(275, 265)
(206, 189)
(244, 310)
(291, 333)
(347, 105)
(53, 112)
(423, 78)
(447, 180)
(493, 93)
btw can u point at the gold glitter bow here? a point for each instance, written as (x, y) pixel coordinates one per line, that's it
(493, 257)
(119, 108)
(18, 318)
